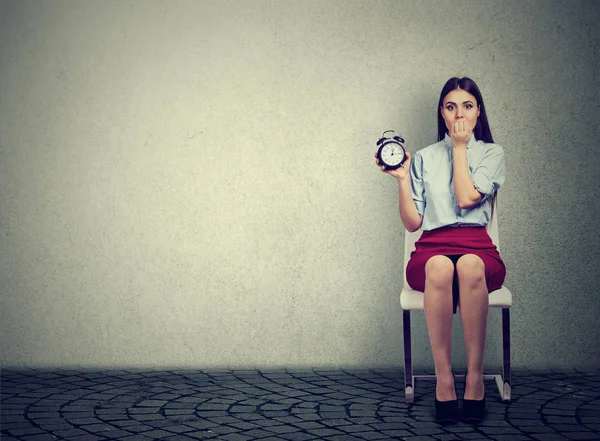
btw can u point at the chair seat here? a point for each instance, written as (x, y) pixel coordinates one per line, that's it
(411, 299)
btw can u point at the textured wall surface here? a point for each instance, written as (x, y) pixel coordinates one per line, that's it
(192, 183)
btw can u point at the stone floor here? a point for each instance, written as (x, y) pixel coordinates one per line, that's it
(285, 405)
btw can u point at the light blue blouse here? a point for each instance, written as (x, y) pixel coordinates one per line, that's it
(431, 173)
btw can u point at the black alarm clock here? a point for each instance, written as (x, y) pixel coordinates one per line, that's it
(391, 153)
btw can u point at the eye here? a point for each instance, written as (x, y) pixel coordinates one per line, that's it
(469, 106)
(450, 107)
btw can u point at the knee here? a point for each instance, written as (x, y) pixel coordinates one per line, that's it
(471, 269)
(439, 271)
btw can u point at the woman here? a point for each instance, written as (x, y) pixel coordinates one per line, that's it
(448, 190)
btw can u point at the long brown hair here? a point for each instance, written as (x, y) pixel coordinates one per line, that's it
(482, 128)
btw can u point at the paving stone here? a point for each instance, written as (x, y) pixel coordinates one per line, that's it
(343, 438)
(66, 434)
(446, 437)
(390, 426)
(550, 437)
(87, 437)
(202, 435)
(368, 420)
(257, 433)
(419, 438)
(537, 429)
(297, 436)
(582, 435)
(332, 415)
(398, 434)
(22, 431)
(566, 428)
(353, 428)
(306, 425)
(432, 430)
(235, 437)
(157, 433)
(325, 432)
(136, 438)
(273, 438)
(39, 415)
(372, 436)
(510, 438)
(561, 420)
(267, 423)
(282, 429)
(180, 438)
(473, 436)
(181, 429)
(224, 430)
(309, 417)
(40, 437)
(201, 424)
(499, 430)
(274, 414)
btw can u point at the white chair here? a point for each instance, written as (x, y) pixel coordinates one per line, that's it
(411, 300)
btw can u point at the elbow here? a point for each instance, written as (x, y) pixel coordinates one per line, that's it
(414, 225)
(468, 199)
(468, 203)
(464, 205)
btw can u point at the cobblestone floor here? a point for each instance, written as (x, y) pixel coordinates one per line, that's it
(285, 405)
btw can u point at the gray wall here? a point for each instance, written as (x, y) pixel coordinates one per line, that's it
(191, 183)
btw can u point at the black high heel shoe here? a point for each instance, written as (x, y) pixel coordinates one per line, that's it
(446, 412)
(473, 410)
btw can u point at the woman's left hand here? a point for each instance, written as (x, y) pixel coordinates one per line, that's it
(461, 133)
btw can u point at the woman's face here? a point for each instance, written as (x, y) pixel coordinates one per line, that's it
(459, 105)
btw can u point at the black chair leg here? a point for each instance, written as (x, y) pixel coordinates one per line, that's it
(506, 354)
(409, 391)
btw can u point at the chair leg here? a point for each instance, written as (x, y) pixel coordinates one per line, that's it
(409, 391)
(506, 354)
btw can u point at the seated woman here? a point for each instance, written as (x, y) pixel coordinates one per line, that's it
(448, 190)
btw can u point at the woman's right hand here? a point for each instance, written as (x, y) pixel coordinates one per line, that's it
(400, 173)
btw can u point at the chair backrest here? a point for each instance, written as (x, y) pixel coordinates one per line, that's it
(411, 238)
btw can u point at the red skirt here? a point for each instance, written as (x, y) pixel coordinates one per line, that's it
(455, 242)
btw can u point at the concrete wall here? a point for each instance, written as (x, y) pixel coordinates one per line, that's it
(191, 183)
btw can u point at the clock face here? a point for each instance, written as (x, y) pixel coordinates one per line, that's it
(392, 154)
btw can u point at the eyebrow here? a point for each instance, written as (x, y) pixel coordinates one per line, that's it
(464, 102)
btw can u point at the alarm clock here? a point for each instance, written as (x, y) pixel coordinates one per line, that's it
(391, 153)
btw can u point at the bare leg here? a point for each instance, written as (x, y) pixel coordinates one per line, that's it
(473, 304)
(439, 273)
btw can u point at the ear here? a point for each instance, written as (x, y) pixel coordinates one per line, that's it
(478, 110)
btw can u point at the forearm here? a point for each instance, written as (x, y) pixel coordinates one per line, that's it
(465, 192)
(408, 210)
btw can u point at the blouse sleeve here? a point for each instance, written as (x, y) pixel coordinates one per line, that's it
(490, 174)
(416, 182)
